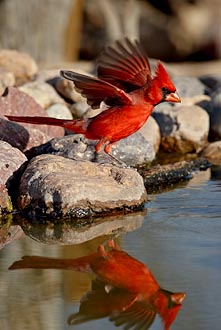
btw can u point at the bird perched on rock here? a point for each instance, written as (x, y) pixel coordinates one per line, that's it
(125, 84)
(124, 290)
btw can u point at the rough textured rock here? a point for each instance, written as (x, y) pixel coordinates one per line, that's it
(82, 230)
(73, 146)
(151, 132)
(183, 129)
(43, 93)
(134, 150)
(131, 151)
(163, 177)
(23, 136)
(20, 64)
(56, 186)
(213, 152)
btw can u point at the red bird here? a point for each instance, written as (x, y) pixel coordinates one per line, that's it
(125, 85)
(125, 289)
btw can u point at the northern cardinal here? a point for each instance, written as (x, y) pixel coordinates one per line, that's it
(125, 289)
(125, 85)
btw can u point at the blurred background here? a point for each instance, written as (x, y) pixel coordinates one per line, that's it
(54, 31)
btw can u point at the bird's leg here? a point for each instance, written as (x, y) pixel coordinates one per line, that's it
(102, 251)
(108, 147)
(98, 147)
(100, 144)
(112, 245)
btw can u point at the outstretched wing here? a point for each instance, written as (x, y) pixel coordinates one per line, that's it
(100, 302)
(138, 316)
(96, 90)
(125, 65)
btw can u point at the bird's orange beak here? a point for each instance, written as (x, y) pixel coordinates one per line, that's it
(173, 97)
(178, 297)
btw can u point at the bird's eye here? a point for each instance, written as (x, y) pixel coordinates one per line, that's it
(164, 89)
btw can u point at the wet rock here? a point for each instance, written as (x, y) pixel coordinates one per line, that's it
(183, 129)
(21, 65)
(82, 230)
(55, 186)
(42, 93)
(23, 136)
(213, 152)
(6, 79)
(9, 233)
(163, 177)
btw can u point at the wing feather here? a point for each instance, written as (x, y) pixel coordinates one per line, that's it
(124, 65)
(96, 90)
(137, 316)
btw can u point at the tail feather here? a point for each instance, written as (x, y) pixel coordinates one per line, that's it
(77, 126)
(38, 262)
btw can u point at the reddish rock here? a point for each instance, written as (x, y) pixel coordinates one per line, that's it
(11, 159)
(24, 136)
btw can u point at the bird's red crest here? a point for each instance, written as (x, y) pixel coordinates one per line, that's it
(162, 78)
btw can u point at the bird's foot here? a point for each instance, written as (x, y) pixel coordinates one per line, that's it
(113, 245)
(118, 162)
(108, 159)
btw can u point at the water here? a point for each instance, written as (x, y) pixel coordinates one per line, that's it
(179, 239)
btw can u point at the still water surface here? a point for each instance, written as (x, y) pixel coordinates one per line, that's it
(179, 239)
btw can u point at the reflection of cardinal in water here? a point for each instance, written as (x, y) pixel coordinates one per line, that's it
(124, 290)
